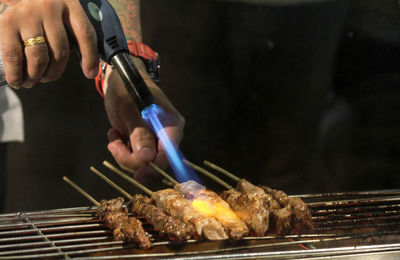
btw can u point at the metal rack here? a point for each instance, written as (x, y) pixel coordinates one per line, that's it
(351, 225)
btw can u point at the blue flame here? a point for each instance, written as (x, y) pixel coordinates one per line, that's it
(151, 115)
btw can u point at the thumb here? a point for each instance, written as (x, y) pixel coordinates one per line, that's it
(143, 144)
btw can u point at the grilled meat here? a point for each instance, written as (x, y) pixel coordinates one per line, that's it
(245, 186)
(281, 197)
(216, 207)
(288, 215)
(301, 215)
(176, 205)
(280, 217)
(189, 189)
(114, 214)
(281, 221)
(269, 202)
(173, 227)
(249, 208)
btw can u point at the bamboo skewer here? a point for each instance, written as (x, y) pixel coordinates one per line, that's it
(221, 170)
(81, 191)
(113, 184)
(208, 174)
(163, 173)
(130, 227)
(126, 177)
(167, 183)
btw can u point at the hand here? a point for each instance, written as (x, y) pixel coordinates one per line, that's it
(132, 143)
(45, 62)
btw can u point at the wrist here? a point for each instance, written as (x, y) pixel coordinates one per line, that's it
(108, 70)
(145, 59)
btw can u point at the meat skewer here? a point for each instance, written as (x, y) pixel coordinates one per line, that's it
(235, 228)
(281, 215)
(291, 208)
(173, 227)
(220, 209)
(114, 215)
(174, 203)
(214, 204)
(252, 208)
(301, 215)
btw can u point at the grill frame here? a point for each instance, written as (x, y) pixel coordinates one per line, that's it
(75, 233)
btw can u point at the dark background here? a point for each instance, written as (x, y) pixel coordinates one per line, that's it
(301, 98)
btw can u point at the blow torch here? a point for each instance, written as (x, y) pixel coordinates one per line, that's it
(113, 49)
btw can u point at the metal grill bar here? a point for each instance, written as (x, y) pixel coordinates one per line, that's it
(45, 238)
(357, 194)
(65, 241)
(76, 233)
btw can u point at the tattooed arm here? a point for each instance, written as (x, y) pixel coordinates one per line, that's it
(129, 15)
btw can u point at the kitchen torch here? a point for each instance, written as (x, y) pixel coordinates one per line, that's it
(113, 49)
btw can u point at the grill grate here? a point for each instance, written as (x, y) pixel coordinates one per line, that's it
(346, 224)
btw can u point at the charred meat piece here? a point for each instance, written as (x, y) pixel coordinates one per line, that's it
(281, 197)
(301, 215)
(173, 227)
(245, 186)
(214, 206)
(281, 221)
(176, 205)
(269, 201)
(280, 217)
(114, 215)
(249, 208)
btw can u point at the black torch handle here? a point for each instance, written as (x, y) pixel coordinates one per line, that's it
(113, 49)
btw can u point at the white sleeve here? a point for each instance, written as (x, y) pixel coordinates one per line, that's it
(2, 73)
(11, 116)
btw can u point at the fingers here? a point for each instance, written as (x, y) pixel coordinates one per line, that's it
(143, 144)
(58, 44)
(85, 36)
(24, 66)
(11, 52)
(143, 148)
(37, 55)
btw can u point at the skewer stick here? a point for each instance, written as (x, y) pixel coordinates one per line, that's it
(167, 183)
(81, 191)
(221, 170)
(163, 173)
(113, 184)
(208, 174)
(126, 177)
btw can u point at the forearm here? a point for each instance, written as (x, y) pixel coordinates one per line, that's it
(129, 14)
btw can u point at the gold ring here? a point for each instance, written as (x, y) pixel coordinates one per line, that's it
(34, 40)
